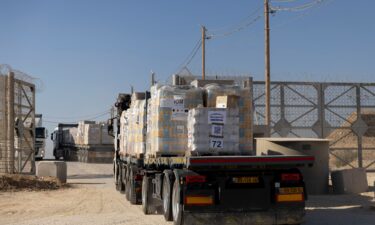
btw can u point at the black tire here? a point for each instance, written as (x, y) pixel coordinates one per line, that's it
(127, 184)
(85, 156)
(120, 184)
(146, 195)
(54, 154)
(115, 166)
(132, 192)
(66, 155)
(167, 198)
(177, 214)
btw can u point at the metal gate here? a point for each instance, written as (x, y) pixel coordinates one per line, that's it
(341, 112)
(17, 123)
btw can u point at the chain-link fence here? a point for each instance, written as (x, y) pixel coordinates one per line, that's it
(17, 122)
(344, 113)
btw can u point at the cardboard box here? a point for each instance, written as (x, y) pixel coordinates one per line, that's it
(227, 101)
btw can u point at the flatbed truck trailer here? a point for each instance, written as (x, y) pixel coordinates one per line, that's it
(221, 189)
(216, 189)
(102, 153)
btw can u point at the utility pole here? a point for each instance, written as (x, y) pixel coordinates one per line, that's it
(203, 52)
(267, 64)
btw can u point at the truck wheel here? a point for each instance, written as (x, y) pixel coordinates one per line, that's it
(132, 193)
(120, 185)
(115, 167)
(85, 156)
(55, 154)
(176, 205)
(167, 198)
(66, 155)
(146, 195)
(127, 184)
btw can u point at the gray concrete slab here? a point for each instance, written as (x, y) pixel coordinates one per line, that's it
(56, 169)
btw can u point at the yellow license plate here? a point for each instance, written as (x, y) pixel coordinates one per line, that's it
(290, 198)
(246, 180)
(291, 190)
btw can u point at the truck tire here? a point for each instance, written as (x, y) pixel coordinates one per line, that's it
(85, 156)
(167, 197)
(132, 192)
(176, 205)
(55, 154)
(115, 169)
(146, 195)
(66, 155)
(120, 184)
(127, 184)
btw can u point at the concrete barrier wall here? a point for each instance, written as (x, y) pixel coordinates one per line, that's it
(349, 181)
(56, 169)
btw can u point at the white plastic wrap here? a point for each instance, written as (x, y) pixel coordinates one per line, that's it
(212, 91)
(213, 131)
(167, 118)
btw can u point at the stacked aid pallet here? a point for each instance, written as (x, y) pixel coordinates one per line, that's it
(213, 131)
(167, 118)
(134, 127)
(244, 105)
(123, 132)
(91, 133)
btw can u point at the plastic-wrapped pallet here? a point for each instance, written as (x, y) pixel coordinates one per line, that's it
(213, 131)
(81, 131)
(123, 132)
(91, 133)
(73, 132)
(167, 118)
(70, 136)
(136, 128)
(212, 91)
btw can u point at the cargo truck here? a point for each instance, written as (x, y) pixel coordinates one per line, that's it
(41, 134)
(61, 148)
(204, 188)
(86, 141)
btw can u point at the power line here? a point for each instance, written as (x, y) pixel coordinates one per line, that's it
(298, 8)
(212, 36)
(283, 1)
(75, 117)
(191, 56)
(241, 25)
(301, 15)
(90, 118)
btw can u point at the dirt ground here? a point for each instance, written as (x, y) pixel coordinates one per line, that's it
(93, 200)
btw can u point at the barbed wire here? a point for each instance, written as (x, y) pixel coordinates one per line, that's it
(5, 69)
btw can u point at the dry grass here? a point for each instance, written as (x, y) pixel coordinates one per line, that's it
(15, 182)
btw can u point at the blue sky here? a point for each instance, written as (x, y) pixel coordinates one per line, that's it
(87, 51)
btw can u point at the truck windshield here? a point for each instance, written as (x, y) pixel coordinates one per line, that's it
(40, 132)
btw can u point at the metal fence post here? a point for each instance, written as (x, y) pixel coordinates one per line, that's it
(359, 136)
(10, 122)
